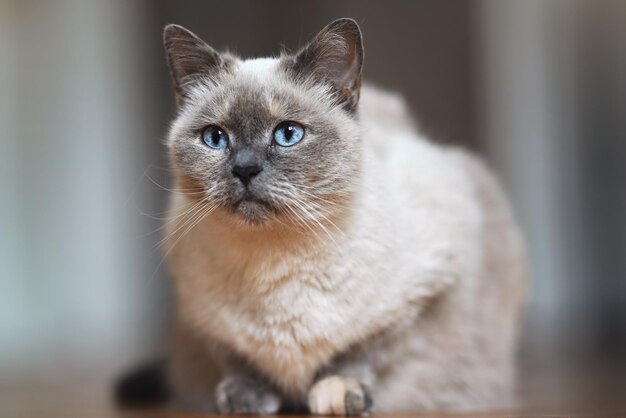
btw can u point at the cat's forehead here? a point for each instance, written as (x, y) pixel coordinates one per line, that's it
(258, 67)
(257, 84)
(256, 89)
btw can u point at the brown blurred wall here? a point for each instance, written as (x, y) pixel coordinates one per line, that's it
(408, 48)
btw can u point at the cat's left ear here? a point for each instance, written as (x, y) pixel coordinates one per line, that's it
(190, 59)
(335, 57)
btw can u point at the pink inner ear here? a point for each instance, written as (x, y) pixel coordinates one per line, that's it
(189, 57)
(338, 61)
(348, 69)
(335, 57)
(343, 68)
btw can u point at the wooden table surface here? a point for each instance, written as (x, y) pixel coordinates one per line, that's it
(52, 402)
(85, 398)
(88, 400)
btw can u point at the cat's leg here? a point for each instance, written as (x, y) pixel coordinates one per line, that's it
(344, 386)
(206, 376)
(242, 390)
(193, 373)
(246, 394)
(339, 395)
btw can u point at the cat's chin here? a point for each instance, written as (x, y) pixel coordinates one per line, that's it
(253, 212)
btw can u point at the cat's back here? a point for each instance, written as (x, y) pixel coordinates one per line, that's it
(414, 167)
(392, 137)
(438, 191)
(385, 109)
(417, 165)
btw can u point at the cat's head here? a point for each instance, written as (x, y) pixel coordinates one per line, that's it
(268, 139)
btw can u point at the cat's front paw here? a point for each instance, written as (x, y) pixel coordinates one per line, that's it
(245, 395)
(336, 395)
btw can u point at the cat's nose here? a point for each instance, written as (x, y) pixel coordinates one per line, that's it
(246, 167)
(245, 172)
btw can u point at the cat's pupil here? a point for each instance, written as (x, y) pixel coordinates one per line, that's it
(288, 132)
(215, 137)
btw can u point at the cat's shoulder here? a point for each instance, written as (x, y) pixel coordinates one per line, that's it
(385, 108)
(389, 127)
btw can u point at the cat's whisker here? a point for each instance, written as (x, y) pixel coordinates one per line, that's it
(192, 221)
(326, 218)
(310, 214)
(155, 216)
(323, 200)
(200, 216)
(180, 219)
(173, 219)
(189, 191)
(324, 213)
(135, 187)
(296, 189)
(319, 187)
(190, 214)
(302, 222)
(208, 209)
(318, 210)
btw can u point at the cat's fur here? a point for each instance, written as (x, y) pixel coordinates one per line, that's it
(363, 266)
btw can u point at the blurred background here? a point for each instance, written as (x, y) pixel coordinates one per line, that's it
(538, 87)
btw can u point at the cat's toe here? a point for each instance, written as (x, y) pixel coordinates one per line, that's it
(336, 395)
(244, 395)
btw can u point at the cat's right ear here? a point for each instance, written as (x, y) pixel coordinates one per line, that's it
(190, 59)
(335, 58)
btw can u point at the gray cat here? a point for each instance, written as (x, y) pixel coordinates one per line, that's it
(325, 256)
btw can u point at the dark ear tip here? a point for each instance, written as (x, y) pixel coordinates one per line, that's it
(345, 24)
(173, 30)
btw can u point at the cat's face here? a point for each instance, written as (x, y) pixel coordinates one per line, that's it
(268, 139)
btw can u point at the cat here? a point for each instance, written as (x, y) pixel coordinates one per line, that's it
(325, 256)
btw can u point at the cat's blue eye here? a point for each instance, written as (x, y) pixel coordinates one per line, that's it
(215, 137)
(288, 133)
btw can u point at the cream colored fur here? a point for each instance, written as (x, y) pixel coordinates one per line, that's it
(425, 276)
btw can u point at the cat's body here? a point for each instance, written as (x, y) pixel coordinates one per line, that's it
(405, 290)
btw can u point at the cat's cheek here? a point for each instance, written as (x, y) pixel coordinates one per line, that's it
(191, 186)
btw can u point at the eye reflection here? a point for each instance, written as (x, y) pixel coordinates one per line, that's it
(215, 137)
(288, 133)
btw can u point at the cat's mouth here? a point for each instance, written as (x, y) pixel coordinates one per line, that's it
(251, 202)
(253, 208)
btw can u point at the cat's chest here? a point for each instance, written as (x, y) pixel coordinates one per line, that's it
(290, 316)
(288, 333)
